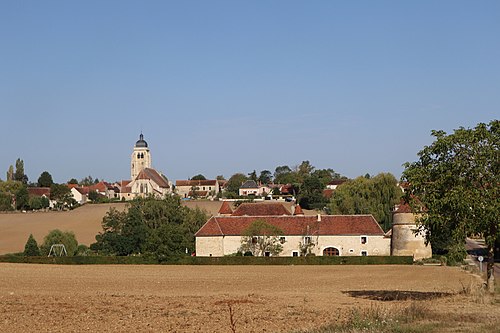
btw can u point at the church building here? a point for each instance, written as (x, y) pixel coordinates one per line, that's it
(145, 180)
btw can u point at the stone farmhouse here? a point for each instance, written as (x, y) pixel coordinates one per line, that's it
(321, 235)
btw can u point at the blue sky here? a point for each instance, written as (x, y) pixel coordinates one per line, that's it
(219, 87)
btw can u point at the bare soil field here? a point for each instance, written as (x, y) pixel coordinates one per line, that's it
(84, 221)
(54, 298)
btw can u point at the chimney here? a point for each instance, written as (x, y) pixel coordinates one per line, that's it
(319, 217)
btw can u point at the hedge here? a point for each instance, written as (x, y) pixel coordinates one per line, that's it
(185, 260)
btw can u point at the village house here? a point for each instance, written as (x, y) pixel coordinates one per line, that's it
(197, 188)
(80, 194)
(251, 188)
(43, 192)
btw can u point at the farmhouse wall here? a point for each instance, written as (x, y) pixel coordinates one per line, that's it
(210, 246)
(218, 246)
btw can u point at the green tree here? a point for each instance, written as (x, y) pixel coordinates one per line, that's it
(19, 174)
(304, 170)
(73, 181)
(87, 181)
(38, 203)
(283, 174)
(261, 237)
(376, 196)
(160, 227)
(198, 177)
(22, 198)
(234, 183)
(265, 177)
(57, 236)
(311, 193)
(220, 177)
(62, 195)
(454, 185)
(31, 248)
(45, 179)
(8, 194)
(253, 176)
(10, 173)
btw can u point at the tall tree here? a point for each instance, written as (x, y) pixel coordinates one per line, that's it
(234, 183)
(45, 179)
(253, 176)
(265, 177)
(455, 183)
(198, 177)
(311, 193)
(19, 174)
(10, 173)
(73, 181)
(376, 196)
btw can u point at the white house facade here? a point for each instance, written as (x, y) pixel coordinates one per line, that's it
(328, 235)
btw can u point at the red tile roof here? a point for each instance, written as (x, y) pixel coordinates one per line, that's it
(155, 176)
(83, 190)
(260, 209)
(327, 193)
(39, 191)
(196, 182)
(337, 181)
(225, 209)
(295, 225)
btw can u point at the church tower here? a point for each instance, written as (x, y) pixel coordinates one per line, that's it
(141, 157)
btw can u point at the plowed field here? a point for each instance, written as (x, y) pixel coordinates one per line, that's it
(53, 298)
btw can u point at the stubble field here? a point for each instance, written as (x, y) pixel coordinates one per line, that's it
(54, 298)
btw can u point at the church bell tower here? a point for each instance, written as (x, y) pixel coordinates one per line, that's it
(141, 157)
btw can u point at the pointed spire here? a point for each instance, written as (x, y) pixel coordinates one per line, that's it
(298, 210)
(225, 209)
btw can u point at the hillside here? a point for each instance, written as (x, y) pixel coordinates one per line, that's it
(84, 221)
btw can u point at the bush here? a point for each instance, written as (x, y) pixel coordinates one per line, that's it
(57, 236)
(188, 260)
(31, 247)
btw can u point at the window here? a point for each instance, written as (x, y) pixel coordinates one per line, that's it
(254, 240)
(295, 253)
(267, 254)
(364, 253)
(282, 239)
(363, 239)
(331, 251)
(307, 240)
(351, 250)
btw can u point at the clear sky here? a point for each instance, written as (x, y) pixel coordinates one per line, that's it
(219, 87)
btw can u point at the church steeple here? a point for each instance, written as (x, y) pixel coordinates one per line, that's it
(141, 157)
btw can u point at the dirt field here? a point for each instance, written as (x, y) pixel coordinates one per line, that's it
(85, 222)
(51, 298)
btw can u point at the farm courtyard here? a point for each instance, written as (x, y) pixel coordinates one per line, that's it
(127, 298)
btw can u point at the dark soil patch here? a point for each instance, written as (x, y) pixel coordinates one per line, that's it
(395, 295)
